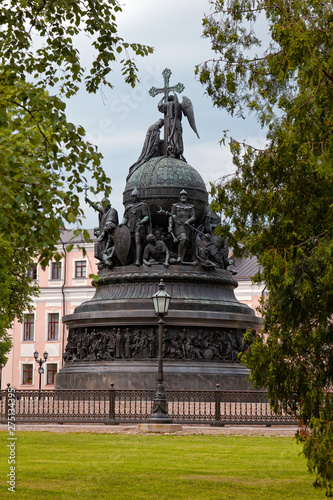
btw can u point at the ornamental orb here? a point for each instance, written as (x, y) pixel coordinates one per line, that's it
(160, 181)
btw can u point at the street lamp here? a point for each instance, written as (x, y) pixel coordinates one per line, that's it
(40, 361)
(161, 301)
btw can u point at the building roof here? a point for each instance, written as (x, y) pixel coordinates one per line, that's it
(245, 267)
(68, 237)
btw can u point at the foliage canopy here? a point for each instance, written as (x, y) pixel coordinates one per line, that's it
(44, 159)
(278, 204)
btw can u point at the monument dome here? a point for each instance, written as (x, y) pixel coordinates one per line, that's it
(160, 179)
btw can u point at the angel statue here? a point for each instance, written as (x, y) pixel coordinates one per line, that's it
(173, 112)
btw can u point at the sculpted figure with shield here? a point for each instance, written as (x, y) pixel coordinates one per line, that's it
(137, 219)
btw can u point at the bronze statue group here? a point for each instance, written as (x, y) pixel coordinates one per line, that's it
(133, 241)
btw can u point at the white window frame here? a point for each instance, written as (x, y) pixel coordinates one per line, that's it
(37, 271)
(45, 371)
(21, 373)
(55, 280)
(22, 334)
(48, 313)
(74, 269)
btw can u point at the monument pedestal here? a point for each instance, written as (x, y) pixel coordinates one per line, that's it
(113, 337)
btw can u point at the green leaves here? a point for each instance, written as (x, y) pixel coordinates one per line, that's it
(300, 40)
(16, 290)
(279, 200)
(58, 24)
(318, 446)
(44, 159)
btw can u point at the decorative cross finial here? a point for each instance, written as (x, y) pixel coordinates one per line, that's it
(166, 73)
(166, 89)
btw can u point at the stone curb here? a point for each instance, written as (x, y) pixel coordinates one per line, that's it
(232, 430)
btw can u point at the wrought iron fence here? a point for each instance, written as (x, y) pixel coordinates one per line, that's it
(132, 406)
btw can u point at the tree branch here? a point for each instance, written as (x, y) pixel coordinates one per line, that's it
(329, 76)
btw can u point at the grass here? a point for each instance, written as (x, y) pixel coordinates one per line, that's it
(164, 467)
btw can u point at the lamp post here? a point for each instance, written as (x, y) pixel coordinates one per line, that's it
(40, 361)
(161, 301)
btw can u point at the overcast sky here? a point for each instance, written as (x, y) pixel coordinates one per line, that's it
(117, 121)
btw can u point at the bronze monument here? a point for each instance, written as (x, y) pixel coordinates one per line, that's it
(167, 232)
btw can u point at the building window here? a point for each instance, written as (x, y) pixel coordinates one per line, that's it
(51, 370)
(27, 374)
(80, 269)
(53, 327)
(28, 327)
(32, 271)
(56, 271)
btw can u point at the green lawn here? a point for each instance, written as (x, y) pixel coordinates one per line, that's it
(108, 466)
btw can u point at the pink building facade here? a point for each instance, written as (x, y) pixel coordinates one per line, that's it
(247, 292)
(63, 286)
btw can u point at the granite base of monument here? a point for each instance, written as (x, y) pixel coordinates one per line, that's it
(142, 375)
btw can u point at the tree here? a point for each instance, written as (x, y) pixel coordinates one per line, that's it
(278, 204)
(44, 159)
(16, 291)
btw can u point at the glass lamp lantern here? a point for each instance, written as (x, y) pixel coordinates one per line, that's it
(161, 301)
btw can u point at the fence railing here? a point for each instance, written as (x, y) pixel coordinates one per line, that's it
(132, 406)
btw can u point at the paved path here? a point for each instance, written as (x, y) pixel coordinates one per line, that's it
(232, 430)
